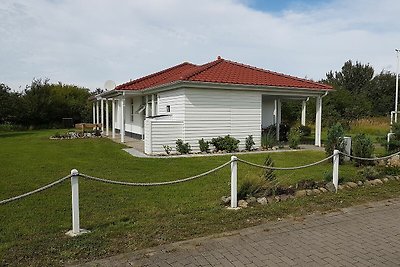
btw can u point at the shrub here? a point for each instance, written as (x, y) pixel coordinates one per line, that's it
(362, 147)
(167, 149)
(231, 143)
(249, 143)
(335, 139)
(227, 143)
(183, 148)
(294, 138)
(250, 187)
(370, 173)
(204, 145)
(304, 130)
(268, 174)
(268, 139)
(284, 130)
(328, 177)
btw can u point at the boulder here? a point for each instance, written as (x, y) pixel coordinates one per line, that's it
(360, 183)
(262, 200)
(316, 191)
(323, 190)
(242, 203)
(284, 197)
(351, 184)
(340, 187)
(369, 183)
(385, 180)
(251, 200)
(226, 200)
(309, 192)
(377, 181)
(300, 193)
(331, 187)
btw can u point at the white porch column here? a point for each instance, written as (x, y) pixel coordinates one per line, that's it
(318, 114)
(102, 114)
(107, 119)
(123, 119)
(113, 118)
(147, 106)
(97, 112)
(153, 105)
(94, 112)
(303, 112)
(277, 116)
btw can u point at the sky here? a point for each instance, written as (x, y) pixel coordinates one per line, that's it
(86, 42)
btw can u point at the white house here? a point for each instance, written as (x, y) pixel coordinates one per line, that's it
(191, 102)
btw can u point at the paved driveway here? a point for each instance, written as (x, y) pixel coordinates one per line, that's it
(366, 235)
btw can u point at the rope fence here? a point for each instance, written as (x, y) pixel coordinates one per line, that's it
(76, 230)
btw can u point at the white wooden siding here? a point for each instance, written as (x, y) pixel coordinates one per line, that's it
(211, 113)
(161, 132)
(176, 100)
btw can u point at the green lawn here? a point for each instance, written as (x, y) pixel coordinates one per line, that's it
(122, 218)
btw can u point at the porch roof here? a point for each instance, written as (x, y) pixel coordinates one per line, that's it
(221, 71)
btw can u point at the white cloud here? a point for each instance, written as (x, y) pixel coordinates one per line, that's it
(88, 42)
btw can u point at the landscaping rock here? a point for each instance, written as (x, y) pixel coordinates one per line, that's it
(284, 197)
(226, 200)
(323, 190)
(300, 193)
(251, 200)
(309, 192)
(262, 200)
(377, 181)
(369, 183)
(385, 180)
(340, 187)
(242, 203)
(316, 191)
(330, 186)
(271, 199)
(351, 184)
(277, 198)
(360, 183)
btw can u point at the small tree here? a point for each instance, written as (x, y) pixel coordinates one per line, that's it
(335, 139)
(362, 147)
(294, 138)
(204, 145)
(249, 143)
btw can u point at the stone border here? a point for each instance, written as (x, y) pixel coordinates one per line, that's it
(329, 187)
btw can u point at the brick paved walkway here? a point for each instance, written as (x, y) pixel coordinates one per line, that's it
(366, 235)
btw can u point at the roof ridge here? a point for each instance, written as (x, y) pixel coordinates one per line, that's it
(154, 74)
(202, 68)
(276, 73)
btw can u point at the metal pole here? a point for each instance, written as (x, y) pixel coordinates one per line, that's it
(335, 171)
(75, 202)
(233, 182)
(397, 86)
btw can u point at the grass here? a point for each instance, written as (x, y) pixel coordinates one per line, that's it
(122, 218)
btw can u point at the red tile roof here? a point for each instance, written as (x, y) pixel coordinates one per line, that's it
(221, 71)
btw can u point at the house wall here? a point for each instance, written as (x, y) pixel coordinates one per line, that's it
(268, 106)
(211, 113)
(161, 132)
(176, 100)
(136, 125)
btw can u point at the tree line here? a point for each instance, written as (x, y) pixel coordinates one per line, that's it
(359, 93)
(43, 104)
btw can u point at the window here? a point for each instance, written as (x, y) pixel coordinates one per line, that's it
(168, 108)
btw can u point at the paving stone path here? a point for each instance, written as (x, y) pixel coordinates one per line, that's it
(366, 235)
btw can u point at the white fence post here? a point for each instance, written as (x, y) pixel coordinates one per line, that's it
(233, 182)
(75, 205)
(335, 172)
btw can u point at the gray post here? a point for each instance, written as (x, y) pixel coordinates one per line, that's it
(75, 202)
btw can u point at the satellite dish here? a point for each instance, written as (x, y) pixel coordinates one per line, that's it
(109, 85)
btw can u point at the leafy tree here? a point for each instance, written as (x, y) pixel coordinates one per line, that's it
(9, 105)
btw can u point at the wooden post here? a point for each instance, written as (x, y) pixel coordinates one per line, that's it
(233, 182)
